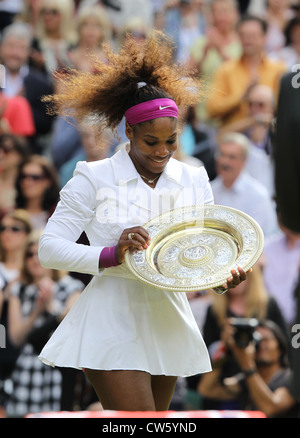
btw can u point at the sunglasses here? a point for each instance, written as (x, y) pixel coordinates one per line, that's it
(33, 177)
(13, 229)
(31, 254)
(257, 103)
(49, 12)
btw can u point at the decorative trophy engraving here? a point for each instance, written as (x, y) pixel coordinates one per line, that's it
(194, 248)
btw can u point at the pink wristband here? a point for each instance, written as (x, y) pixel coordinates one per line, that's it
(108, 257)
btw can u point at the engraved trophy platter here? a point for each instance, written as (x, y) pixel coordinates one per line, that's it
(194, 248)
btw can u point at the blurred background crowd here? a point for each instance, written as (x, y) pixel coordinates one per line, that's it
(241, 49)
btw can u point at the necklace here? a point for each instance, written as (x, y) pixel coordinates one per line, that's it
(149, 181)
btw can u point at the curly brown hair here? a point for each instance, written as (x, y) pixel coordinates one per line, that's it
(105, 95)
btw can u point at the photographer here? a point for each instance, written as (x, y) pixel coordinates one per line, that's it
(250, 299)
(264, 382)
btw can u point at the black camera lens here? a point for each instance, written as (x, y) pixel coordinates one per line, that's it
(244, 330)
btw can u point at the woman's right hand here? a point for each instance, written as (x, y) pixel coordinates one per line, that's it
(135, 237)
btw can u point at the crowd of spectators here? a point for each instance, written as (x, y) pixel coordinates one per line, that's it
(240, 49)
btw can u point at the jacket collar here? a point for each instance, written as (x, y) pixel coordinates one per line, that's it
(125, 171)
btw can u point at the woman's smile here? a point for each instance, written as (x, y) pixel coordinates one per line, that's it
(160, 161)
(152, 144)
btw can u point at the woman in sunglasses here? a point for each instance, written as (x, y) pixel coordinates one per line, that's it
(12, 152)
(15, 228)
(38, 301)
(55, 34)
(132, 339)
(37, 189)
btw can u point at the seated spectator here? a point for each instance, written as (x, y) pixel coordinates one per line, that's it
(16, 116)
(93, 29)
(219, 43)
(190, 26)
(15, 228)
(55, 36)
(258, 121)
(37, 189)
(281, 269)
(38, 301)
(123, 11)
(233, 80)
(21, 79)
(277, 14)
(236, 188)
(198, 141)
(93, 149)
(257, 127)
(29, 14)
(65, 142)
(290, 53)
(12, 152)
(14, 53)
(133, 28)
(8, 11)
(250, 299)
(265, 380)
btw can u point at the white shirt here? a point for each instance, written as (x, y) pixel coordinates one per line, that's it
(250, 196)
(261, 167)
(119, 322)
(107, 196)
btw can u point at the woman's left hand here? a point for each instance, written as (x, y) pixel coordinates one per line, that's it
(237, 276)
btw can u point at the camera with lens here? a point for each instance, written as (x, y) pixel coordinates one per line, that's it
(245, 331)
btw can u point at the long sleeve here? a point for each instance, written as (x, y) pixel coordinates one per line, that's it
(225, 98)
(58, 248)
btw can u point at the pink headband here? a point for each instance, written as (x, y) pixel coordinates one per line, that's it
(153, 109)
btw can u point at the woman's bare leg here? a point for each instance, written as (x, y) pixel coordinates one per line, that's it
(127, 390)
(163, 390)
(123, 390)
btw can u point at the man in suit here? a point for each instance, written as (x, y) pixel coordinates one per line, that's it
(23, 80)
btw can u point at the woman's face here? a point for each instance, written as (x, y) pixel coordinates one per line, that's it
(224, 15)
(33, 182)
(152, 144)
(90, 32)
(13, 234)
(268, 351)
(51, 17)
(10, 158)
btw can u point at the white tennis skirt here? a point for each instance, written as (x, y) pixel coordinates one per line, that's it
(124, 324)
